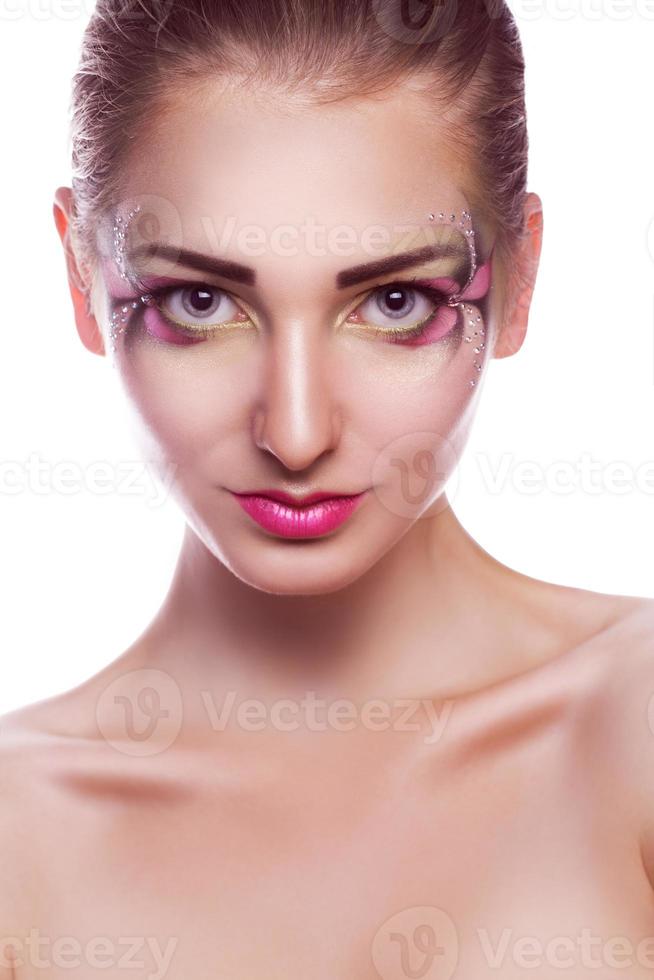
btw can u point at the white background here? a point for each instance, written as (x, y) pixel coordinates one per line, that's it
(82, 573)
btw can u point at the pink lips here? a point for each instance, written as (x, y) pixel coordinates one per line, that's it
(316, 515)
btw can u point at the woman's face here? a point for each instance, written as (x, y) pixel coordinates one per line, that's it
(294, 368)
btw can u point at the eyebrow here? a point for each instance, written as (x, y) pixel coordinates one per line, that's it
(195, 260)
(395, 263)
(348, 277)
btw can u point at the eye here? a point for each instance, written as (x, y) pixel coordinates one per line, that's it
(199, 308)
(401, 311)
(190, 313)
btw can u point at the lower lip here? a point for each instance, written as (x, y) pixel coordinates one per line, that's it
(299, 522)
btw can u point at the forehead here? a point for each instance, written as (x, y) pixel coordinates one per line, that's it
(212, 157)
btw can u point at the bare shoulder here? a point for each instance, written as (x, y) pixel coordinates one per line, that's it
(28, 818)
(582, 614)
(625, 620)
(108, 742)
(124, 713)
(79, 720)
(614, 712)
(615, 656)
(66, 762)
(594, 672)
(624, 643)
(583, 630)
(39, 742)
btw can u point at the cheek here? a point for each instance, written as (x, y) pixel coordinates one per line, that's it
(419, 449)
(414, 416)
(430, 416)
(185, 408)
(405, 391)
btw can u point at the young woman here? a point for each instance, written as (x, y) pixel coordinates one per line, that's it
(351, 744)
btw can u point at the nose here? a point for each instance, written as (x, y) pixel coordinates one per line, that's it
(297, 419)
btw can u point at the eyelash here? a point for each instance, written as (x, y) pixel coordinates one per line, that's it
(408, 333)
(391, 334)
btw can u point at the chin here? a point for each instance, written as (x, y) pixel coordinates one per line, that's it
(312, 566)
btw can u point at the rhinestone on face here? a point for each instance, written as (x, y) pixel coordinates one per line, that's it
(121, 228)
(465, 224)
(120, 318)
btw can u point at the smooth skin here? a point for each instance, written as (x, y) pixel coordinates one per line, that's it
(510, 803)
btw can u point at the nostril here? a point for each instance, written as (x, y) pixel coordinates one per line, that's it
(296, 435)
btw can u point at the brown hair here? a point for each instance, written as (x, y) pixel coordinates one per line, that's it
(465, 55)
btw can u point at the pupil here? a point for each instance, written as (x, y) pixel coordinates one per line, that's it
(201, 299)
(395, 299)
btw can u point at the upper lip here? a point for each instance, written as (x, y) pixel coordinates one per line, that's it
(294, 499)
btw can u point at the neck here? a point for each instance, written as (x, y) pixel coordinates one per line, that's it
(429, 619)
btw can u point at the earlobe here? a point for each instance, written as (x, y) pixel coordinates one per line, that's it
(522, 281)
(86, 323)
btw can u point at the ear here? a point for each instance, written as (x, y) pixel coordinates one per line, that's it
(521, 281)
(87, 326)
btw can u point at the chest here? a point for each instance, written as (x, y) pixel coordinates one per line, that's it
(405, 869)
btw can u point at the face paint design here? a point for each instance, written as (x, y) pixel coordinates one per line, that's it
(120, 318)
(460, 281)
(476, 287)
